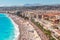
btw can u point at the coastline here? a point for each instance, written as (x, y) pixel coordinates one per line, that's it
(16, 29)
(27, 31)
(24, 29)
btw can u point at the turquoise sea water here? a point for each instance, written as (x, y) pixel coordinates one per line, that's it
(6, 28)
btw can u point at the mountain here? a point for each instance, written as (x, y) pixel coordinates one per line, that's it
(33, 4)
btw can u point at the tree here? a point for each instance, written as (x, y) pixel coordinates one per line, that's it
(19, 13)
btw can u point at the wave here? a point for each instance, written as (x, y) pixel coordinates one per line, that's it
(16, 31)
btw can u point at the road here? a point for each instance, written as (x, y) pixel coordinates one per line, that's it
(27, 31)
(41, 34)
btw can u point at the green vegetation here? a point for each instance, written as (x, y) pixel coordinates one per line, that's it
(58, 38)
(47, 32)
(26, 18)
(18, 14)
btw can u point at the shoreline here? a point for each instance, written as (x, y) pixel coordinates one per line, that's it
(26, 29)
(16, 28)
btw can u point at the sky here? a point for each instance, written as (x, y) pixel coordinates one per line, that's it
(22, 2)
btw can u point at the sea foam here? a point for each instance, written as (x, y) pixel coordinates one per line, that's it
(16, 32)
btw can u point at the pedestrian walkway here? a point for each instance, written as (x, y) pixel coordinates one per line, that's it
(27, 32)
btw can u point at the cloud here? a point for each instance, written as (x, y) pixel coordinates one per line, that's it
(21, 4)
(1, 5)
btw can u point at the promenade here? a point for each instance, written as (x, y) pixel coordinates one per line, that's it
(40, 33)
(27, 31)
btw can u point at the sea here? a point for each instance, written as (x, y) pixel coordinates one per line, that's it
(8, 30)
